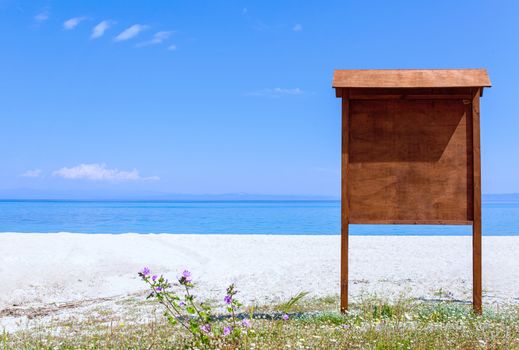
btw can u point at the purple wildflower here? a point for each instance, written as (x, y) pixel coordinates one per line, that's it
(246, 323)
(182, 304)
(186, 275)
(145, 272)
(206, 328)
(154, 278)
(284, 317)
(227, 330)
(158, 289)
(228, 299)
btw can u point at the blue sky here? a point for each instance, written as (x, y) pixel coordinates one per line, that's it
(214, 97)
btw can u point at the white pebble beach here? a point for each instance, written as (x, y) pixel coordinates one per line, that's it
(41, 269)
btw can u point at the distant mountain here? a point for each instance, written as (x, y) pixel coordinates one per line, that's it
(30, 194)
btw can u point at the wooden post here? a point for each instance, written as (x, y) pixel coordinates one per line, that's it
(344, 204)
(476, 226)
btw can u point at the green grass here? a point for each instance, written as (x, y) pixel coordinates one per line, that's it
(372, 323)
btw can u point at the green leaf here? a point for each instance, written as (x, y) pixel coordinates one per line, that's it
(286, 307)
(171, 319)
(194, 327)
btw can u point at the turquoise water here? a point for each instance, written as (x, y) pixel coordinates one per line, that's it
(238, 217)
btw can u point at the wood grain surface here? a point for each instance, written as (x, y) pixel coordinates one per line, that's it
(410, 78)
(409, 161)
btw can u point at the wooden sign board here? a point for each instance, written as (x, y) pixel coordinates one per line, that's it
(410, 152)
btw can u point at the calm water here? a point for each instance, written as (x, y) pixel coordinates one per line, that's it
(241, 217)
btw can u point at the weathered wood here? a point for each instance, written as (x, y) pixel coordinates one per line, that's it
(409, 94)
(408, 161)
(407, 97)
(410, 222)
(411, 91)
(476, 227)
(411, 78)
(345, 216)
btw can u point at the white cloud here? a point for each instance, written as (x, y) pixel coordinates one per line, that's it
(160, 37)
(72, 23)
(261, 27)
(100, 172)
(297, 28)
(276, 92)
(42, 16)
(100, 29)
(31, 173)
(130, 32)
(172, 47)
(157, 38)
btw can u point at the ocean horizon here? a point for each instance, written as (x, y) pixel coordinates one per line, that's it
(278, 217)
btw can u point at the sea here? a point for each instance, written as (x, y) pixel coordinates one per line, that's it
(277, 217)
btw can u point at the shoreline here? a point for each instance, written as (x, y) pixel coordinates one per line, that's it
(363, 234)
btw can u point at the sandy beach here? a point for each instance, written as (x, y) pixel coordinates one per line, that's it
(45, 268)
(49, 269)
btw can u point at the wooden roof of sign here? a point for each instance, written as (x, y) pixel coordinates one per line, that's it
(411, 78)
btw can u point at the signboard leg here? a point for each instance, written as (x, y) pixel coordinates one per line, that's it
(476, 268)
(344, 268)
(476, 226)
(345, 217)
